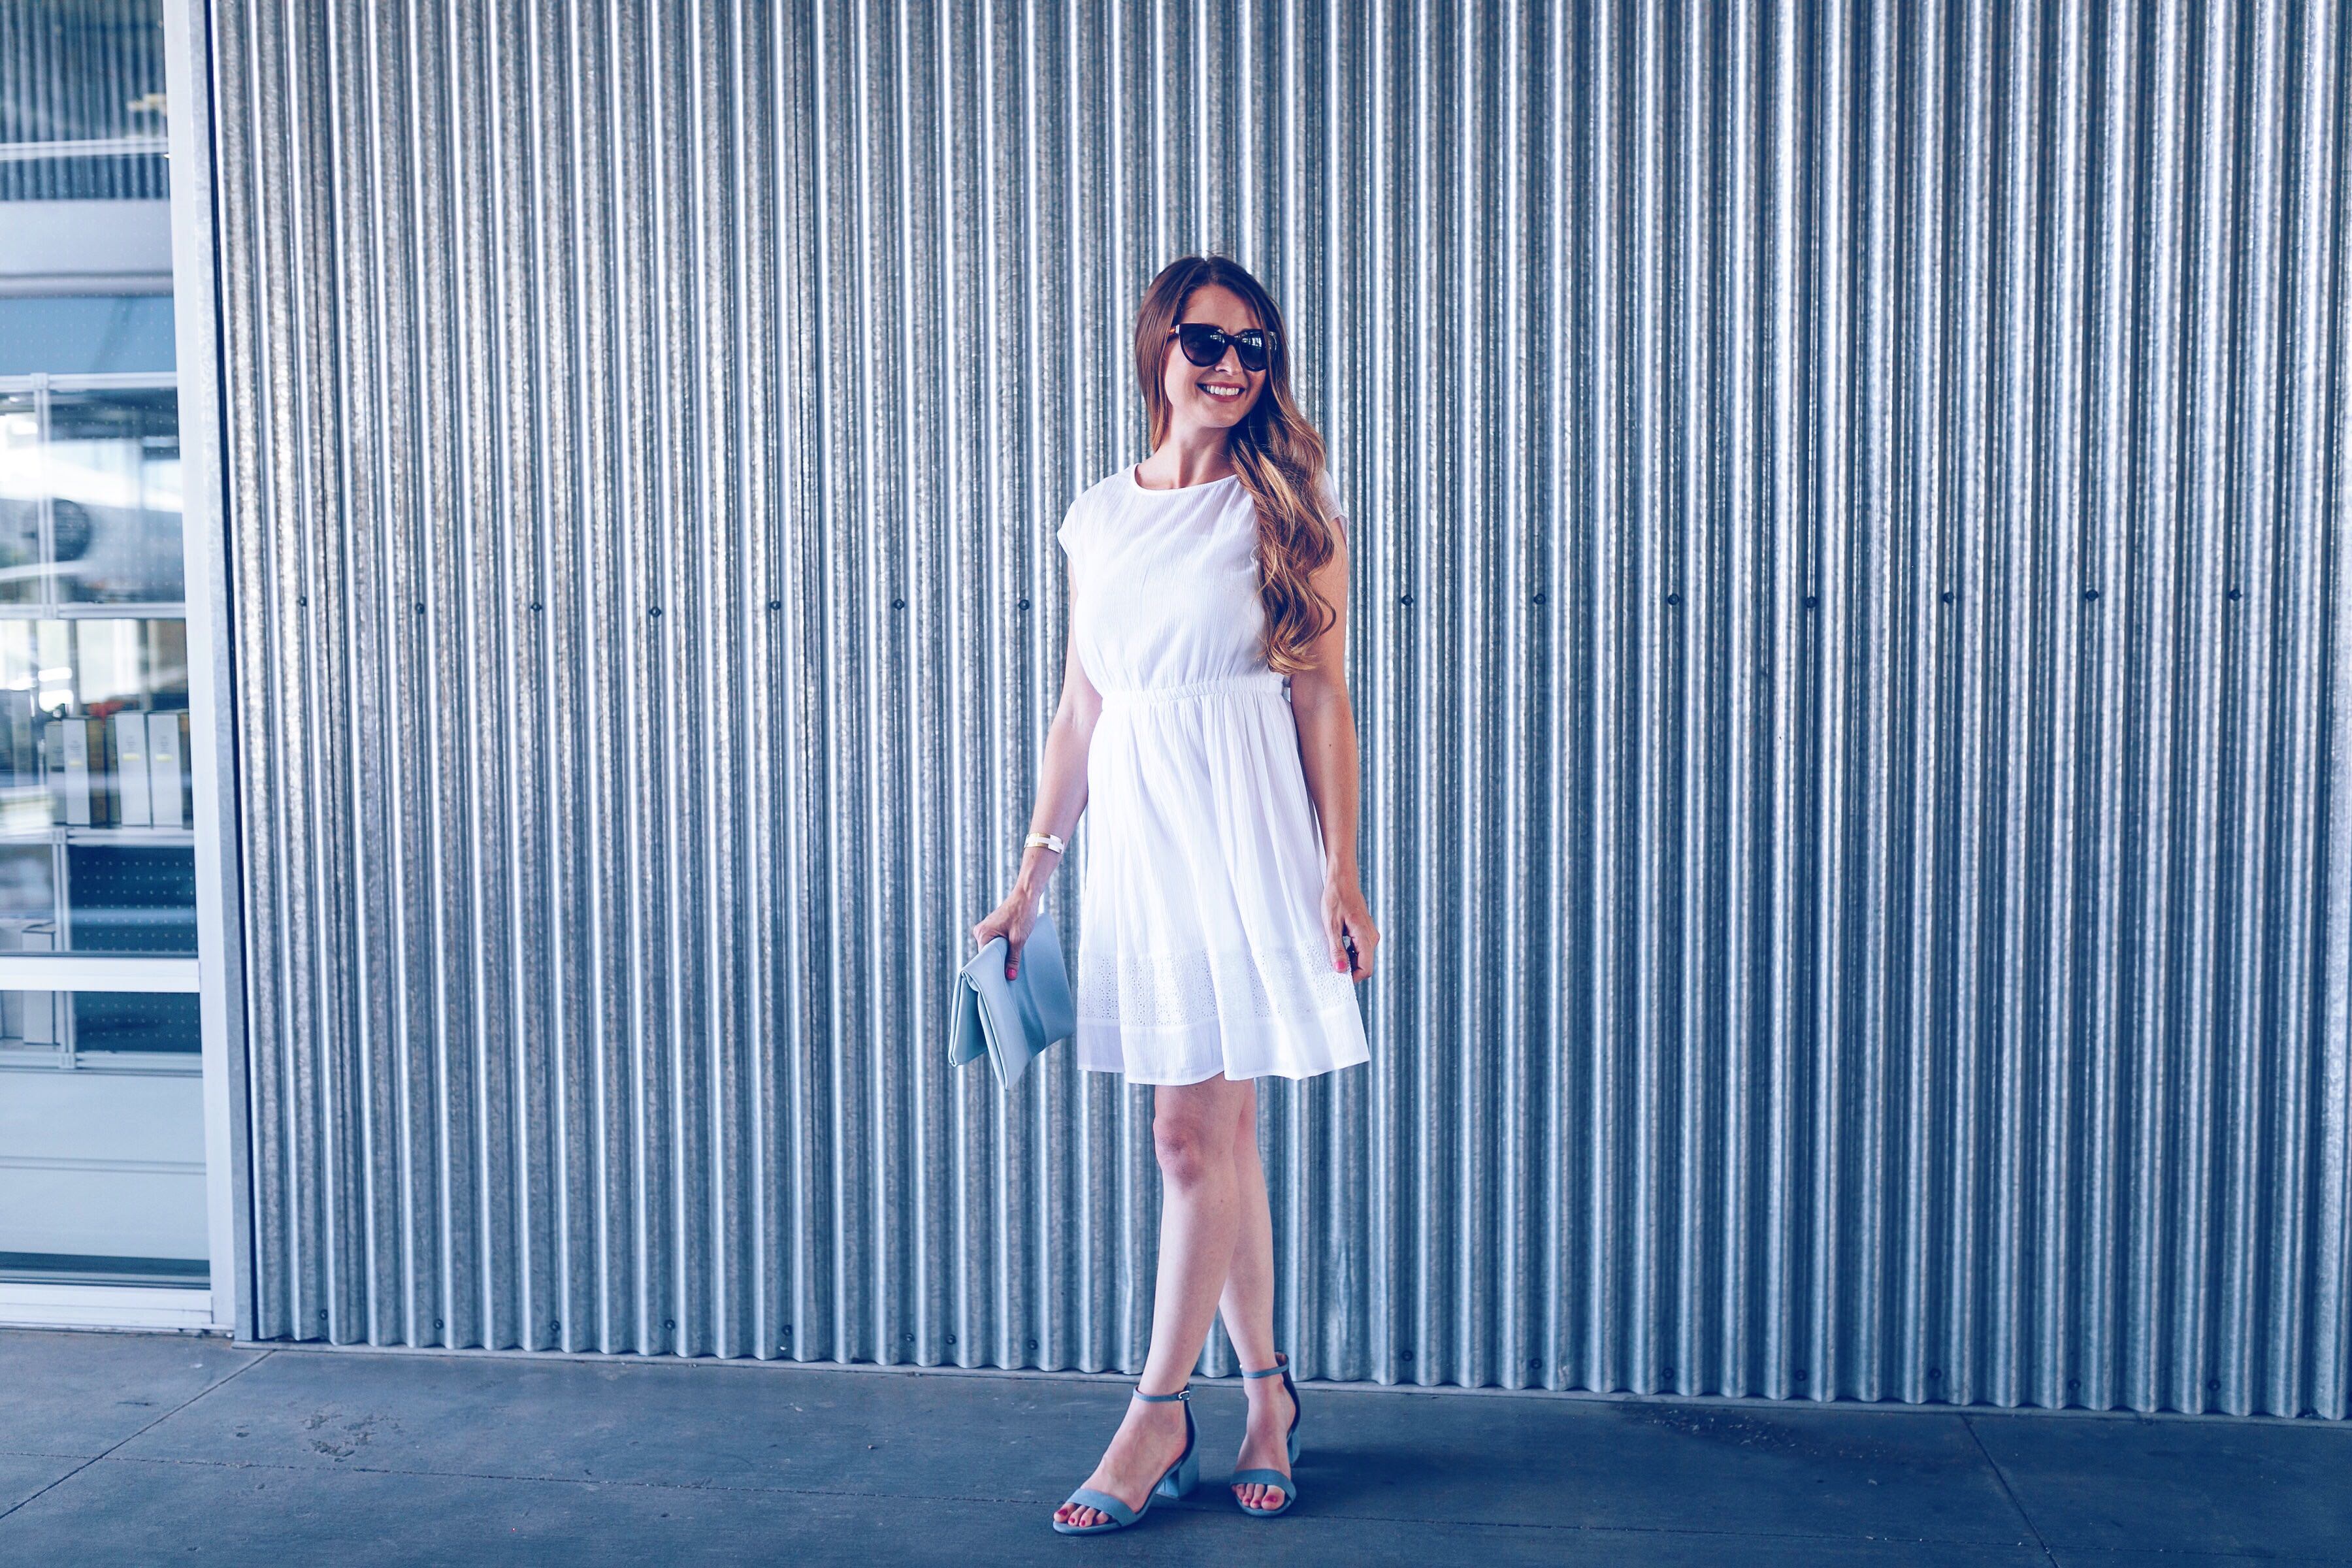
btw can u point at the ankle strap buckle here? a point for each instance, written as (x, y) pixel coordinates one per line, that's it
(1184, 1393)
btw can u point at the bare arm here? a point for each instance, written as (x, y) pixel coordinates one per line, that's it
(1061, 799)
(1327, 753)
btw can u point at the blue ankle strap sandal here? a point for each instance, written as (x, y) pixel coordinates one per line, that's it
(1275, 1478)
(1175, 1481)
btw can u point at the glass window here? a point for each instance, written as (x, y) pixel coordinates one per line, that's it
(112, 472)
(80, 335)
(101, 1126)
(20, 498)
(97, 845)
(102, 1177)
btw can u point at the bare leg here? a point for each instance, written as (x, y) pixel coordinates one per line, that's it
(1192, 1131)
(1247, 1307)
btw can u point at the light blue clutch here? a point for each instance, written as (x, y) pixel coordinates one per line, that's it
(1012, 1022)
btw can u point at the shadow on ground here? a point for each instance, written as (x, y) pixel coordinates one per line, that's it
(123, 1449)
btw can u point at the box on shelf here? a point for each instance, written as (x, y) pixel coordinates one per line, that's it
(167, 768)
(128, 769)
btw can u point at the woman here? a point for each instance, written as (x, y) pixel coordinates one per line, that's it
(1222, 928)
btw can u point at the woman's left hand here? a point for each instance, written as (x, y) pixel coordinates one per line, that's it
(1346, 920)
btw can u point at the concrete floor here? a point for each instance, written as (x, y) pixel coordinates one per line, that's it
(118, 1448)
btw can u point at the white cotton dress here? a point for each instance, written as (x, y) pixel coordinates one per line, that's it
(1200, 949)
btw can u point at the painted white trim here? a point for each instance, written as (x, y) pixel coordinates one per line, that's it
(96, 380)
(29, 1306)
(80, 285)
(85, 147)
(97, 971)
(80, 244)
(187, 80)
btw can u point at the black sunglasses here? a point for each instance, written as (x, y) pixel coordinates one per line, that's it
(1204, 345)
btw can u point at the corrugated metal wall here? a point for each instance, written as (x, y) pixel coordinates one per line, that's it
(1853, 637)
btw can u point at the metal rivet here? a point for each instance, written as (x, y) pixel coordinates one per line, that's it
(322, 1314)
(1935, 1371)
(1811, 601)
(1404, 599)
(534, 605)
(2212, 1385)
(911, 1339)
(1670, 1375)
(775, 604)
(1404, 1355)
(1674, 598)
(788, 1328)
(1947, 595)
(951, 1339)
(1032, 1345)
(420, 606)
(2091, 594)
(654, 611)
(2233, 593)
(305, 598)
(670, 1322)
(555, 1328)
(897, 604)
(437, 1322)
(2072, 1383)
(1800, 1374)
(1024, 604)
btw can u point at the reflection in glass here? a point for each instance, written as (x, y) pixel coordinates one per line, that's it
(20, 499)
(97, 845)
(113, 478)
(129, 898)
(28, 895)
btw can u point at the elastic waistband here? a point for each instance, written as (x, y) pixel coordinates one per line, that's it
(1225, 684)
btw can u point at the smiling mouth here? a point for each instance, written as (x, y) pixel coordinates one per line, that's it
(1220, 392)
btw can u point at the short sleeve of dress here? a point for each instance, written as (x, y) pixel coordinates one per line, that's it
(1330, 495)
(1066, 535)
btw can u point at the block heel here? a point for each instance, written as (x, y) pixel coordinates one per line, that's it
(1180, 1480)
(1174, 1481)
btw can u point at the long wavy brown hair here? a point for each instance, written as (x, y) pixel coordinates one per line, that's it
(1276, 453)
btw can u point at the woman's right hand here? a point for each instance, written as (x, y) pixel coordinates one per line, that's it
(1010, 920)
